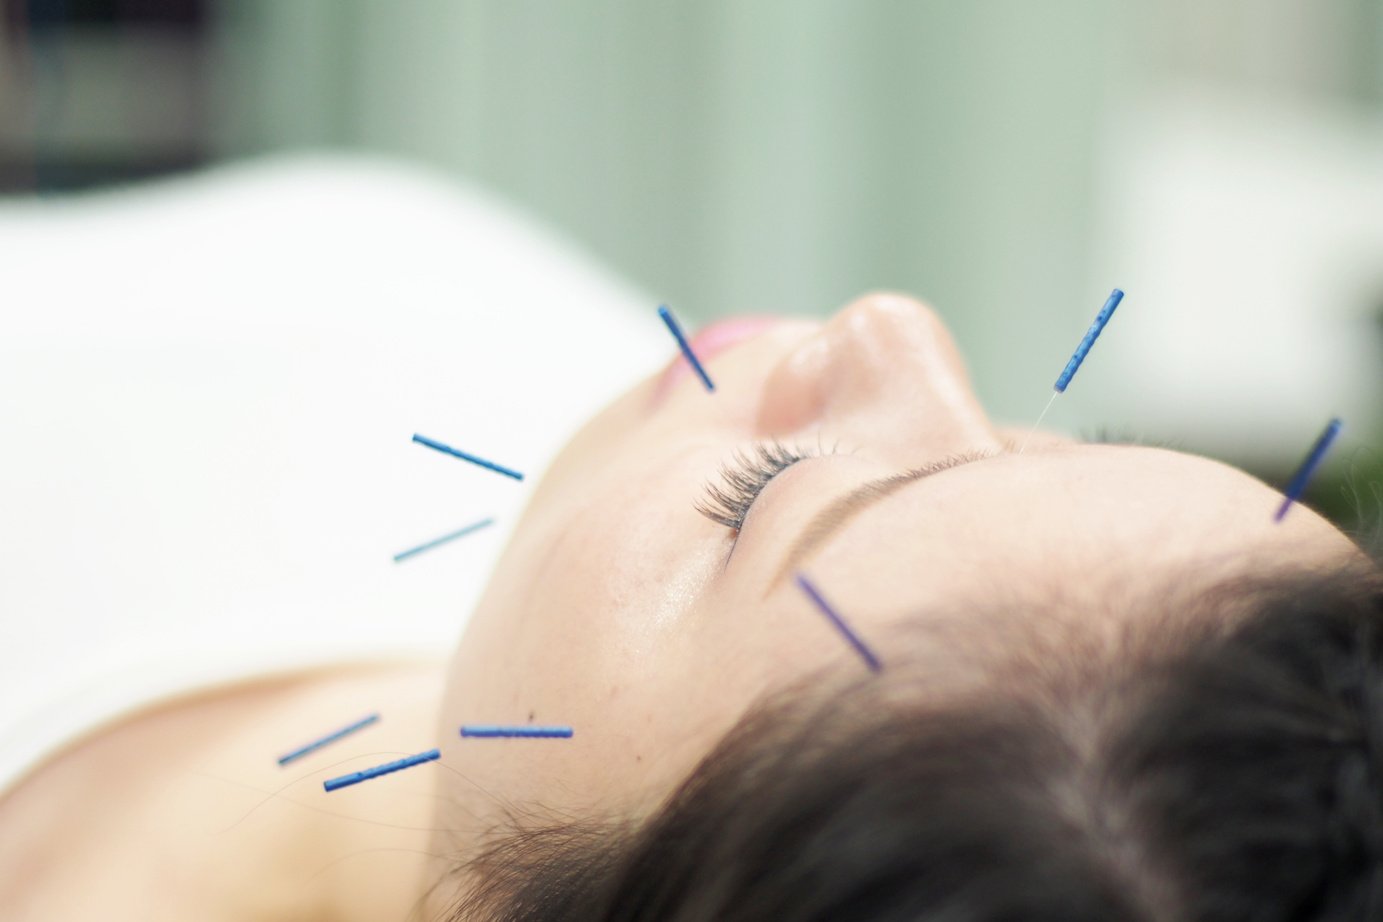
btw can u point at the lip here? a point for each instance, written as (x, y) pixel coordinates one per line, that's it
(712, 341)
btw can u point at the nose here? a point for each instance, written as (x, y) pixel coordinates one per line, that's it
(883, 373)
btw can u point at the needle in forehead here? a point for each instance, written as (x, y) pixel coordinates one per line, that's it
(1077, 358)
(1308, 467)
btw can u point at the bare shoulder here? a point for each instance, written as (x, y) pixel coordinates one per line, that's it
(164, 814)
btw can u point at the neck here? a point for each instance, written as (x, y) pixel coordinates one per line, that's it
(182, 811)
(360, 852)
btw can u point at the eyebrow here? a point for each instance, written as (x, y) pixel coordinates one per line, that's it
(831, 519)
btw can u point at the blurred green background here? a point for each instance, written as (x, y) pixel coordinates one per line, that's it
(1009, 161)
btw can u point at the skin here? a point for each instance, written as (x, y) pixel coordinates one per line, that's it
(619, 610)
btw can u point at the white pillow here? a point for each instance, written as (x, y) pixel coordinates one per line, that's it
(207, 392)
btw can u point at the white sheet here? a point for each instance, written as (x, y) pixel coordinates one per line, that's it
(207, 393)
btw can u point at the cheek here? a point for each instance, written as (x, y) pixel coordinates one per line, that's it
(600, 643)
(588, 621)
(589, 607)
(596, 601)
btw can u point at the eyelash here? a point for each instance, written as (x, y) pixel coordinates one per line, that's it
(749, 471)
(744, 477)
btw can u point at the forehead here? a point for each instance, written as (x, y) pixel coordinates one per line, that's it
(1080, 516)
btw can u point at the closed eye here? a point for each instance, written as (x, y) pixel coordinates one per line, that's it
(728, 499)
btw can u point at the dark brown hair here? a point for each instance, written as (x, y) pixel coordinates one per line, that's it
(1237, 778)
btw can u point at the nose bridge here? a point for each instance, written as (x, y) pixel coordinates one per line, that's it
(884, 371)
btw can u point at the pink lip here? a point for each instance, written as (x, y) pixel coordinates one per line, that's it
(710, 342)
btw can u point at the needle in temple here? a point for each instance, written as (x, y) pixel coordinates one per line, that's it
(685, 346)
(1308, 467)
(839, 623)
(429, 545)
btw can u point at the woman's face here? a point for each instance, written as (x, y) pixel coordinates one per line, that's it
(620, 609)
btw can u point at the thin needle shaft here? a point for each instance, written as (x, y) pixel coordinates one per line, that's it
(1041, 417)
